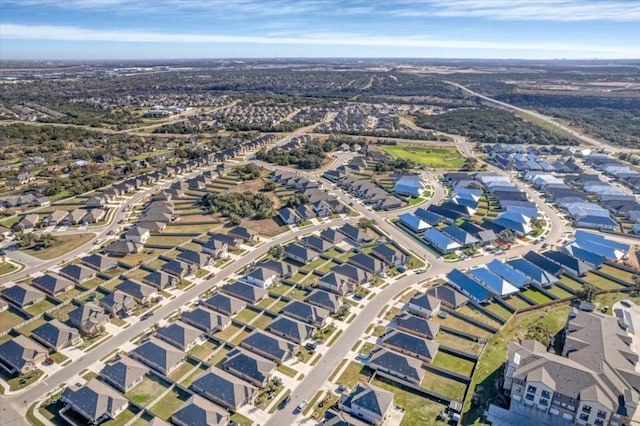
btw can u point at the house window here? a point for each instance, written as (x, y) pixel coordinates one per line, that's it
(529, 397)
(584, 417)
(546, 394)
(532, 389)
(544, 402)
(599, 422)
(601, 414)
(586, 409)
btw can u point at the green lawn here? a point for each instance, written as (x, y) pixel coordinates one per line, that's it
(63, 245)
(618, 273)
(7, 268)
(246, 315)
(459, 343)
(601, 282)
(262, 321)
(473, 312)
(40, 307)
(170, 403)
(462, 325)
(354, 373)
(436, 157)
(204, 350)
(488, 370)
(536, 295)
(20, 382)
(499, 310)
(240, 419)
(559, 292)
(146, 391)
(10, 318)
(419, 411)
(453, 363)
(288, 371)
(443, 385)
(570, 282)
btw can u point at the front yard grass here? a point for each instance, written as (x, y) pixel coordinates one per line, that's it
(63, 245)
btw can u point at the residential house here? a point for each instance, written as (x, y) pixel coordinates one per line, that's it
(216, 247)
(206, 320)
(179, 269)
(225, 304)
(200, 411)
(332, 236)
(248, 366)
(290, 329)
(52, 284)
(355, 234)
(261, 277)
(94, 216)
(28, 223)
(180, 335)
(141, 293)
(448, 296)
(282, 269)
(74, 217)
(247, 292)
(336, 283)
(417, 326)
(316, 243)
(288, 216)
(367, 402)
(441, 242)
(99, 262)
(367, 263)
(244, 234)
(55, 218)
(390, 257)
(56, 335)
(160, 280)
(300, 253)
(96, 202)
(123, 373)
(194, 258)
(401, 366)
(411, 185)
(271, 347)
(122, 248)
(158, 355)
(137, 235)
(89, 319)
(325, 300)
(224, 389)
(95, 402)
(356, 275)
(118, 304)
(468, 286)
(413, 222)
(77, 272)
(411, 345)
(21, 355)
(22, 295)
(424, 305)
(305, 312)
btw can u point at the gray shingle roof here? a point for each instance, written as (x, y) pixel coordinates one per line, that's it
(21, 350)
(179, 334)
(123, 372)
(55, 334)
(77, 272)
(94, 399)
(410, 343)
(206, 319)
(198, 411)
(324, 299)
(268, 345)
(158, 354)
(52, 284)
(397, 364)
(223, 388)
(242, 363)
(246, 292)
(225, 304)
(22, 295)
(310, 314)
(293, 330)
(417, 325)
(370, 398)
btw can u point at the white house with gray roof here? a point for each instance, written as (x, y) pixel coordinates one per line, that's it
(124, 373)
(94, 401)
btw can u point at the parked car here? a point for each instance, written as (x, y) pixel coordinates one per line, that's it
(301, 406)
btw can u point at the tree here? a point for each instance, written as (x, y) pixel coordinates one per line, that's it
(470, 164)
(269, 186)
(234, 219)
(586, 293)
(276, 251)
(507, 235)
(635, 285)
(366, 223)
(540, 333)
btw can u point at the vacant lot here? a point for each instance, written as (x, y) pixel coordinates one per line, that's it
(63, 245)
(436, 157)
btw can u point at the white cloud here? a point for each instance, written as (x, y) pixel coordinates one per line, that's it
(538, 10)
(67, 33)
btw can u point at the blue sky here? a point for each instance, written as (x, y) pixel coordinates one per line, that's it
(132, 29)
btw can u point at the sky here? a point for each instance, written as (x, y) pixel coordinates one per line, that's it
(176, 29)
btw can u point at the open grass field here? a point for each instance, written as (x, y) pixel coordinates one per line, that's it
(443, 385)
(601, 282)
(354, 373)
(462, 325)
(459, 343)
(7, 268)
(488, 370)
(536, 295)
(63, 245)
(570, 282)
(170, 403)
(453, 363)
(618, 273)
(473, 312)
(419, 410)
(559, 292)
(436, 157)
(146, 391)
(10, 318)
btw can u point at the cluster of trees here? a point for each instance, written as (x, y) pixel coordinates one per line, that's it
(491, 125)
(309, 156)
(236, 206)
(248, 171)
(398, 165)
(296, 200)
(37, 240)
